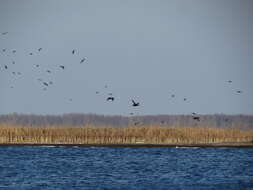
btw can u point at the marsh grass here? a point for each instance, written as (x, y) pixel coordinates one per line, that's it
(113, 135)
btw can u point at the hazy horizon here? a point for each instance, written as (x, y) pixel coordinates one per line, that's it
(141, 50)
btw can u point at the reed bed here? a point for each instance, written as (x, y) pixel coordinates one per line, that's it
(129, 135)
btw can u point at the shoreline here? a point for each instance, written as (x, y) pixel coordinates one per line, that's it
(139, 145)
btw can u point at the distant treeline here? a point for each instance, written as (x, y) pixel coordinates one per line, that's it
(215, 121)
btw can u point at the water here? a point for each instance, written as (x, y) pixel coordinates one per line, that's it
(93, 168)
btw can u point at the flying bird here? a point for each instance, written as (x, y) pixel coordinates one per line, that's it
(110, 98)
(51, 82)
(193, 113)
(13, 62)
(45, 83)
(4, 33)
(61, 66)
(4, 50)
(39, 49)
(48, 71)
(6, 67)
(135, 104)
(229, 81)
(82, 60)
(239, 91)
(37, 65)
(97, 92)
(13, 73)
(14, 51)
(30, 53)
(196, 118)
(73, 51)
(185, 99)
(173, 95)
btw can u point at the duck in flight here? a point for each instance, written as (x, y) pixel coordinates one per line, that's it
(135, 104)
(4, 33)
(73, 51)
(39, 49)
(62, 66)
(239, 91)
(82, 60)
(110, 98)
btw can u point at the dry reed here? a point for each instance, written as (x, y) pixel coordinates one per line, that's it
(128, 135)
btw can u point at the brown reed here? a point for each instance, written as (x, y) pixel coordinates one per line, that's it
(128, 135)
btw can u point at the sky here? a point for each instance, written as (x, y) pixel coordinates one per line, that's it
(136, 49)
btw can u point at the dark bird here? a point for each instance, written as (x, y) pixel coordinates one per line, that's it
(193, 113)
(82, 60)
(4, 50)
(39, 49)
(196, 118)
(239, 91)
(110, 98)
(19, 73)
(185, 99)
(73, 51)
(135, 104)
(136, 123)
(131, 113)
(13, 62)
(50, 82)
(97, 92)
(6, 67)
(61, 66)
(4, 33)
(30, 53)
(45, 83)
(12, 87)
(37, 65)
(13, 72)
(229, 81)
(48, 71)
(14, 51)
(173, 95)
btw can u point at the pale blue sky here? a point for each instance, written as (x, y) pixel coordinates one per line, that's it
(146, 50)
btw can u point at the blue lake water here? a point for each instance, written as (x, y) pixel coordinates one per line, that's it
(32, 167)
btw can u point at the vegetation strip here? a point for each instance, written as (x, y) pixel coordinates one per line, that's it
(130, 136)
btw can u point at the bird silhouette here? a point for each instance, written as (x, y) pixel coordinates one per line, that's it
(51, 82)
(131, 113)
(39, 49)
(193, 113)
(185, 99)
(37, 65)
(239, 91)
(6, 67)
(173, 95)
(48, 71)
(19, 73)
(30, 53)
(4, 50)
(73, 51)
(196, 118)
(46, 84)
(14, 51)
(61, 66)
(135, 104)
(82, 60)
(13, 73)
(13, 62)
(110, 98)
(229, 81)
(4, 33)
(97, 92)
